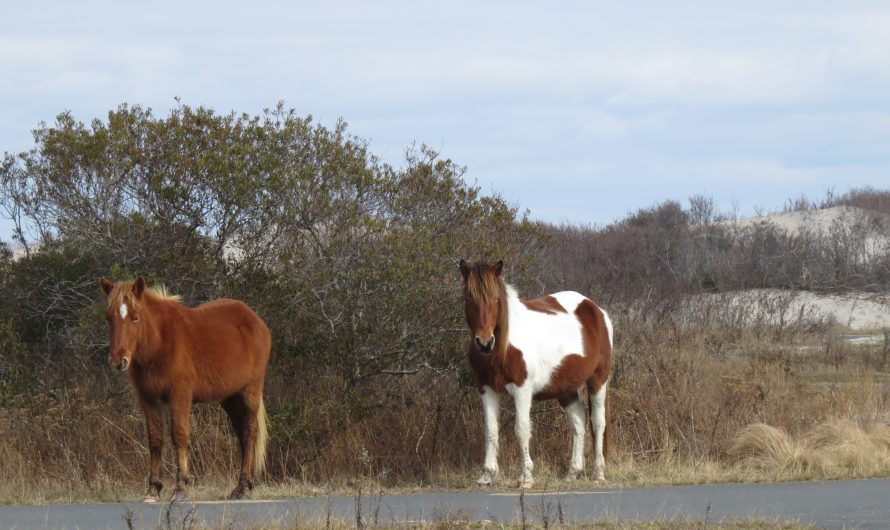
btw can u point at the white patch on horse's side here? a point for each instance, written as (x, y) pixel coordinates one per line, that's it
(561, 330)
(570, 300)
(123, 311)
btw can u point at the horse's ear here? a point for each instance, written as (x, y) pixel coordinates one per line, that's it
(465, 268)
(107, 286)
(139, 287)
(498, 267)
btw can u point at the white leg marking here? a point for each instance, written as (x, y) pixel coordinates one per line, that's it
(523, 398)
(123, 311)
(575, 414)
(598, 420)
(490, 409)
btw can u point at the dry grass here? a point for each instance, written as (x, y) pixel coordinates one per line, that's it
(708, 401)
(835, 449)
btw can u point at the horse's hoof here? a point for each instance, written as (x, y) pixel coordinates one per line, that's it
(487, 478)
(525, 484)
(571, 476)
(598, 476)
(180, 496)
(239, 495)
(151, 499)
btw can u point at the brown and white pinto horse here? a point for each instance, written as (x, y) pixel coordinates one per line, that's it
(544, 348)
(175, 355)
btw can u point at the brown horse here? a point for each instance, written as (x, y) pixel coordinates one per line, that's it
(545, 348)
(175, 355)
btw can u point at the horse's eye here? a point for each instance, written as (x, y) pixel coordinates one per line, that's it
(135, 318)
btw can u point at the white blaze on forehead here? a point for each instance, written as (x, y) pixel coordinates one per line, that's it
(123, 311)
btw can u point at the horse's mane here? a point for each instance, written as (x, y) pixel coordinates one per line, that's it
(483, 285)
(125, 289)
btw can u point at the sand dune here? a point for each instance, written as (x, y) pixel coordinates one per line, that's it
(857, 311)
(825, 221)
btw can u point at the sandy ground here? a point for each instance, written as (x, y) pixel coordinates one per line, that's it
(18, 253)
(857, 311)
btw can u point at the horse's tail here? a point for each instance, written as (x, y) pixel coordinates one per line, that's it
(262, 439)
(590, 411)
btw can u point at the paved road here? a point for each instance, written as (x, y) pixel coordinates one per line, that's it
(833, 504)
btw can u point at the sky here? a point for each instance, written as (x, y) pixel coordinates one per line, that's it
(580, 112)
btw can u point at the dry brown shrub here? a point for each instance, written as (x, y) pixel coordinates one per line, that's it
(834, 448)
(764, 446)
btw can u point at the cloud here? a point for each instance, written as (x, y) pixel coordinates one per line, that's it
(569, 108)
(52, 68)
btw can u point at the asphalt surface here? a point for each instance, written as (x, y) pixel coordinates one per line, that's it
(831, 504)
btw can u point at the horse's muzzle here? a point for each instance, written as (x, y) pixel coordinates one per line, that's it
(123, 364)
(487, 346)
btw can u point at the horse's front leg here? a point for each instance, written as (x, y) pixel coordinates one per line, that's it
(155, 427)
(180, 410)
(523, 398)
(490, 409)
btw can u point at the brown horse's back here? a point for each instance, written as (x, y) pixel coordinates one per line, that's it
(229, 346)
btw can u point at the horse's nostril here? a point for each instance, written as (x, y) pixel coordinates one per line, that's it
(483, 346)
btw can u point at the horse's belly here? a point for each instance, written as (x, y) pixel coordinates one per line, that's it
(568, 376)
(215, 384)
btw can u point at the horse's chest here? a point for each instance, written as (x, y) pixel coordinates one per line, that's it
(499, 371)
(158, 382)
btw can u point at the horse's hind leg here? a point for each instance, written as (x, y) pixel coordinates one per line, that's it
(596, 390)
(243, 413)
(577, 417)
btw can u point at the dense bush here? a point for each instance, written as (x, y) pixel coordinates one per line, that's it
(353, 264)
(664, 251)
